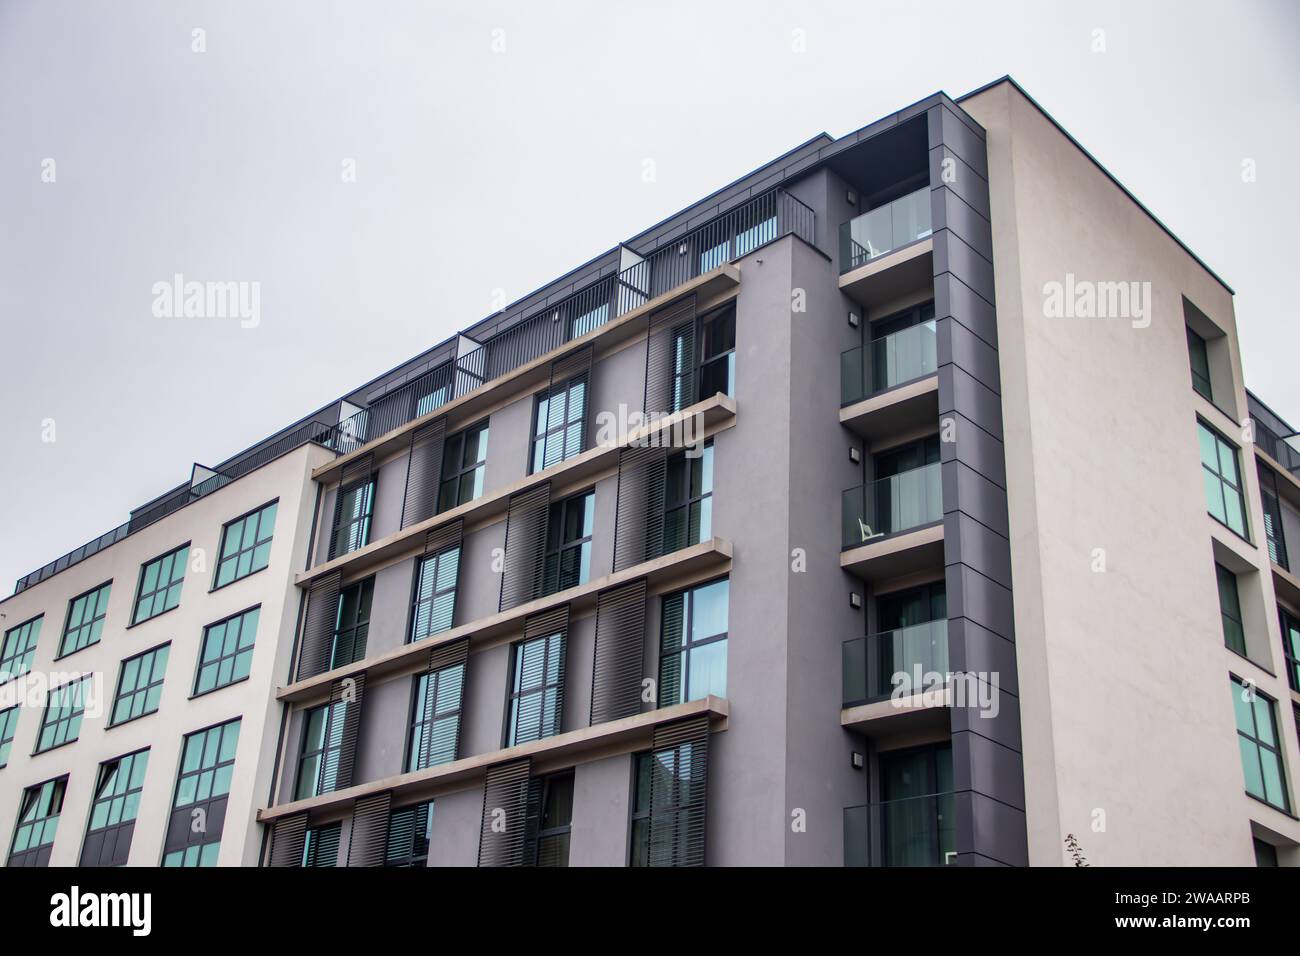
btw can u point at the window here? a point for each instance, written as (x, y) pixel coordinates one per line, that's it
(718, 354)
(1234, 635)
(557, 820)
(915, 814)
(202, 786)
(352, 512)
(559, 423)
(435, 717)
(693, 647)
(63, 714)
(38, 819)
(464, 460)
(667, 787)
(1261, 755)
(322, 747)
(227, 652)
(19, 648)
(409, 832)
(139, 685)
(113, 813)
(1291, 648)
(160, 584)
(688, 500)
(8, 727)
(1223, 495)
(1265, 853)
(536, 682)
(352, 626)
(321, 848)
(85, 621)
(435, 593)
(245, 545)
(640, 852)
(568, 543)
(1200, 360)
(1273, 529)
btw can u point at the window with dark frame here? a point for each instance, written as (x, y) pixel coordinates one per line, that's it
(38, 820)
(1199, 357)
(718, 353)
(1234, 634)
(160, 584)
(8, 727)
(639, 844)
(556, 821)
(245, 545)
(537, 670)
(320, 849)
(693, 644)
(673, 806)
(1261, 753)
(559, 423)
(352, 625)
(353, 509)
(464, 462)
(226, 653)
(139, 685)
(568, 543)
(19, 648)
(114, 809)
(409, 832)
(1291, 648)
(1222, 480)
(435, 717)
(1274, 533)
(203, 782)
(61, 723)
(85, 621)
(688, 499)
(434, 605)
(322, 744)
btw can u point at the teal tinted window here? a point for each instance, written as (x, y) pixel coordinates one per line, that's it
(139, 685)
(693, 644)
(8, 727)
(435, 593)
(559, 423)
(160, 585)
(63, 715)
(202, 784)
(85, 621)
(245, 545)
(1222, 480)
(227, 653)
(1261, 753)
(353, 510)
(1234, 635)
(38, 820)
(435, 722)
(19, 648)
(537, 681)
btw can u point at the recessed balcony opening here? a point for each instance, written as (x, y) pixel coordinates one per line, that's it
(900, 348)
(912, 822)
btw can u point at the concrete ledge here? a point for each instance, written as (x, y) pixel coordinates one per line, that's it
(896, 555)
(899, 410)
(895, 274)
(893, 718)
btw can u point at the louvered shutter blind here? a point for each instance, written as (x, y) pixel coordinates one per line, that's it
(369, 840)
(639, 513)
(318, 626)
(503, 837)
(521, 578)
(288, 840)
(423, 472)
(679, 774)
(617, 668)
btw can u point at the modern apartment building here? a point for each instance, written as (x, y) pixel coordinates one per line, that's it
(890, 506)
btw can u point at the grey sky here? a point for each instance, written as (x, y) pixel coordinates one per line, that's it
(479, 170)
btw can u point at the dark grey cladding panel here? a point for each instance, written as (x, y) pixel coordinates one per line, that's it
(953, 255)
(958, 391)
(966, 541)
(971, 493)
(975, 648)
(1000, 722)
(950, 171)
(991, 829)
(989, 768)
(959, 134)
(982, 600)
(972, 446)
(958, 217)
(954, 300)
(958, 345)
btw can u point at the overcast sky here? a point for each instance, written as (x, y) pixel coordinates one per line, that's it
(496, 146)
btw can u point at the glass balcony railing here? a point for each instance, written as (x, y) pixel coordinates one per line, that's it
(871, 662)
(915, 831)
(890, 505)
(884, 229)
(888, 361)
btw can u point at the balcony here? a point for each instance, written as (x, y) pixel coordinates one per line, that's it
(871, 662)
(914, 831)
(888, 361)
(884, 229)
(893, 526)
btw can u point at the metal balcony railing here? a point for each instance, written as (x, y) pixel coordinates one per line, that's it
(888, 361)
(884, 229)
(915, 831)
(871, 662)
(887, 506)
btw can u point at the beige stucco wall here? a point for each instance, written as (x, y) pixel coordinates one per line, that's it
(1123, 673)
(200, 522)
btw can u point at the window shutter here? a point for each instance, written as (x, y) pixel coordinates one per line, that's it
(288, 840)
(521, 579)
(678, 787)
(359, 470)
(562, 371)
(503, 837)
(616, 669)
(662, 369)
(639, 514)
(344, 723)
(369, 841)
(318, 626)
(423, 472)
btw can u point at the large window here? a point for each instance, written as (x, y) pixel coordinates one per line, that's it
(322, 748)
(38, 819)
(666, 789)
(718, 353)
(1261, 751)
(1234, 635)
(227, 652)
(464, 461)
(1291, 649)
(113, 813)
(559, 421)
(557, 820)
(19, 648)
(352, 626)
(693, 645)
(536, 684)
(688, 499)
(198, 810)
(321, 847)
(85, 621)
(160, 584)
(434, 606)
(568, 543)
(63, 714)
(353, 509)
(245, 545)
(1199, 356)
(409, 832)
(1222, 477)
(435, 717)
(139, 685)
(8, 727)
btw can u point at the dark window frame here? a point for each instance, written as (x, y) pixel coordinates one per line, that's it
(139, 691)
(122, 797)
(1274, 531)
(10, 654)
(355, 632)
(1260, 744)
(344, 535)
(8, 731)
(33, 855)
(224, 559)
(1197, 346)
(218, 774)
(416, 725)
(1290, 624)
(204, 665)
(550, 720)
(85, 626)
(690, 504)
(685, 651)
(1239, 486)
(67, 720)
(453, 477)
(557, 834)
(545, 436)
(1230, 615)
(419, 602)
(554, 578)
(399, 856)
(325, 778)
(324, 839)
(174, 582)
